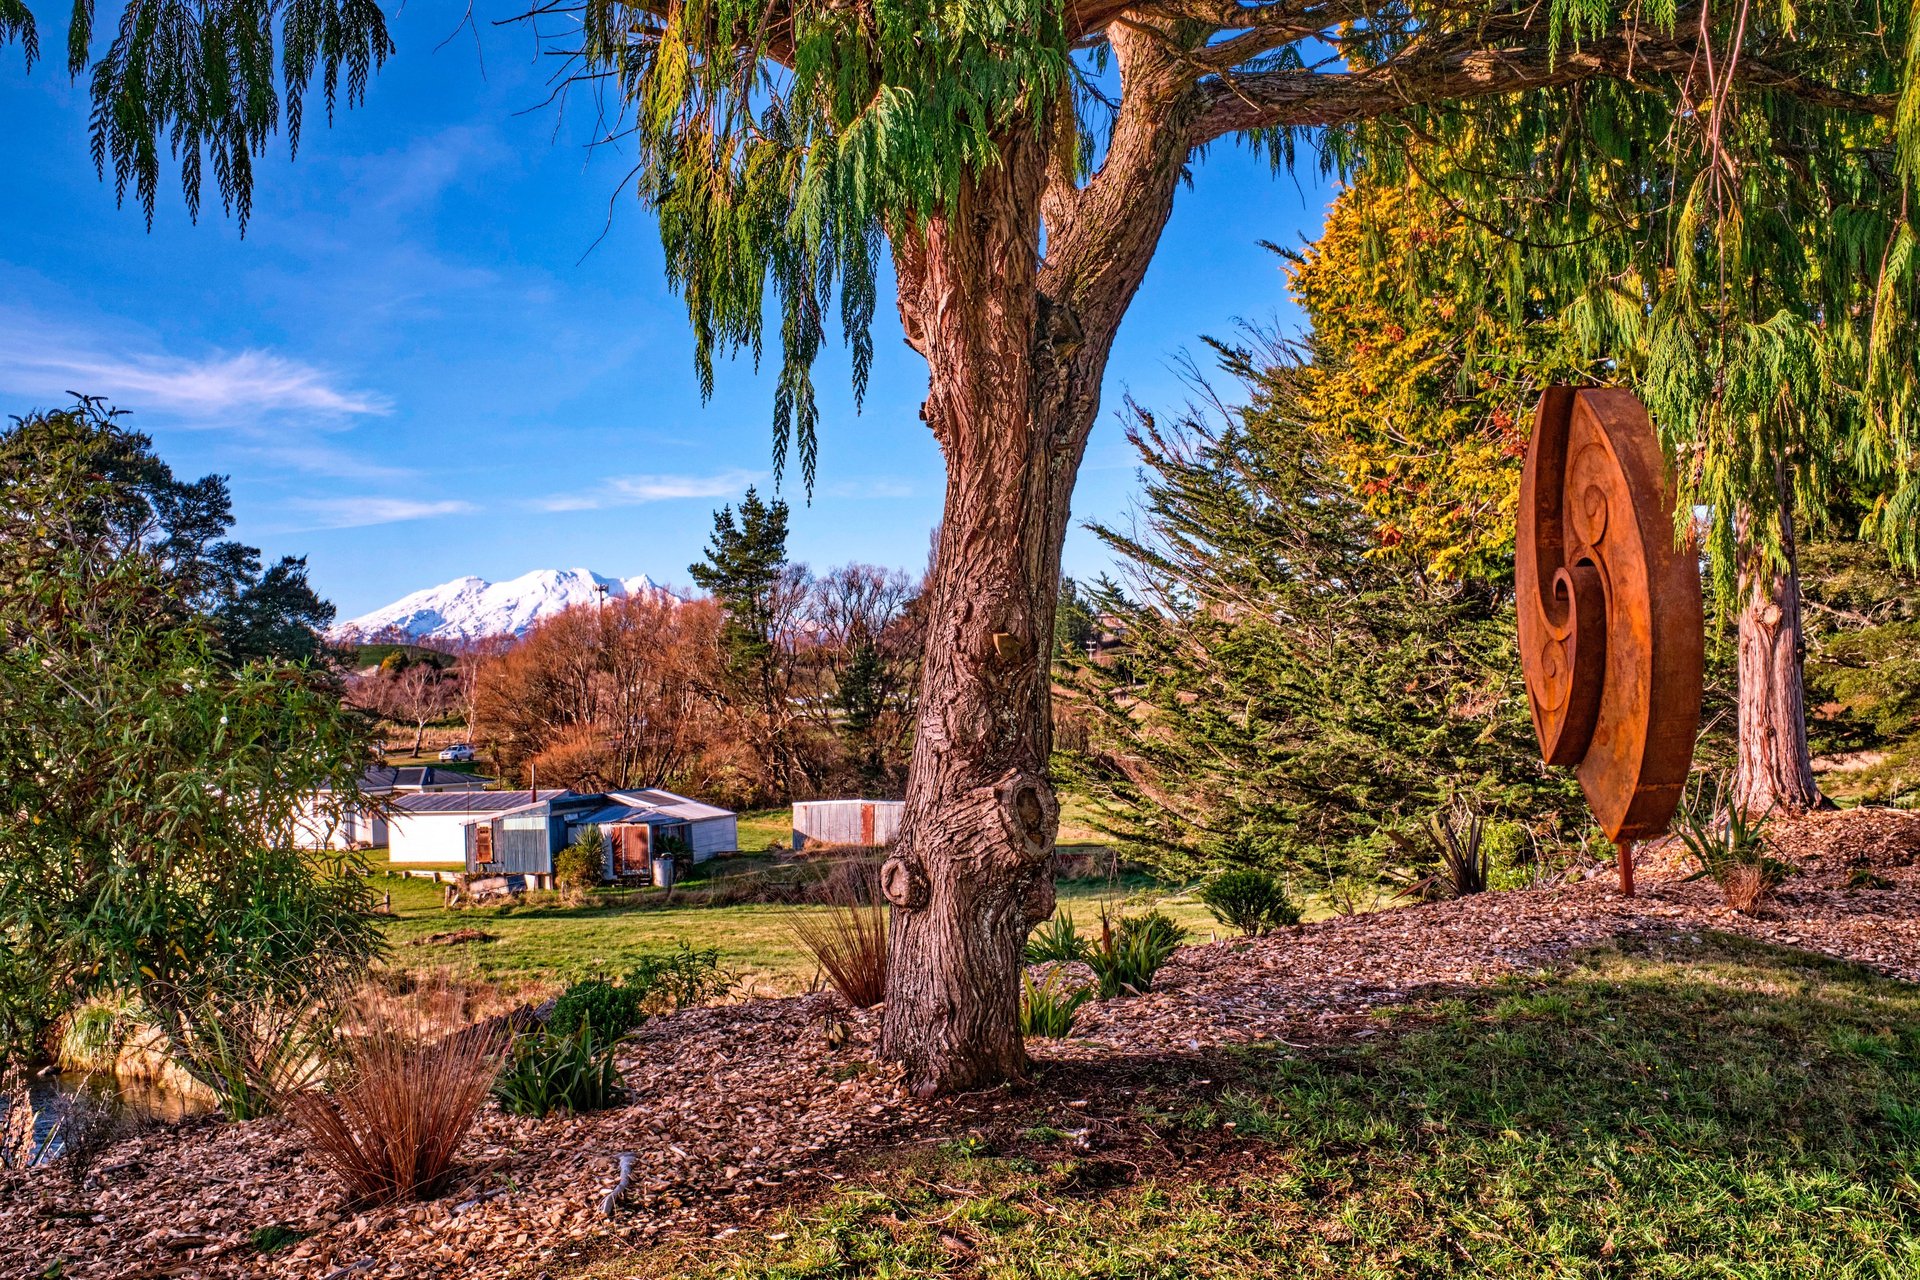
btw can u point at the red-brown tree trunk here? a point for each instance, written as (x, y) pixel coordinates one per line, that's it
(969, 872)
(1774, 769)
(1016, 345)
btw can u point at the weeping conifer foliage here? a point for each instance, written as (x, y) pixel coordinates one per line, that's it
(777, 143)
(1735, 241)
(200, 82)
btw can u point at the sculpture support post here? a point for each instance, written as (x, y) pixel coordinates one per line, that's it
(1624, 848)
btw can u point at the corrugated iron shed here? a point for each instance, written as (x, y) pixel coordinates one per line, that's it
(473, 801)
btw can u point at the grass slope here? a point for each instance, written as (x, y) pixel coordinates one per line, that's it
(545, 941)
(1688, 1107)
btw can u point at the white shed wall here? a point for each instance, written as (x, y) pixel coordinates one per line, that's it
(429, 837)
(314, 830)
(710, 836)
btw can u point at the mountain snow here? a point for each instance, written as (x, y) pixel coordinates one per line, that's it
(475, 609)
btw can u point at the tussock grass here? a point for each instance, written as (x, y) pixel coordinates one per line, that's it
(847, 939)
(407, 1083)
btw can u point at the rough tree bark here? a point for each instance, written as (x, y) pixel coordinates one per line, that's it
(1774, 770)
(1017, 345)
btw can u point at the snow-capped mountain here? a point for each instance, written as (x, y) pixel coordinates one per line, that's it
(475, 609)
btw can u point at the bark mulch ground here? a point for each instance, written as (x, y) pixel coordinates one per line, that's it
(742, 1109)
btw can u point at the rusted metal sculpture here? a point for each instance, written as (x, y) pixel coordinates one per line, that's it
(1610, 613)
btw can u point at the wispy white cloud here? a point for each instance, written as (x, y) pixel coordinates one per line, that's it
(286, 412)
(358, 511)
(637, 490)
(311, 456)
(219, 385)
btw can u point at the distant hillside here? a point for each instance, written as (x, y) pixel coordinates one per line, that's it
(471, 609)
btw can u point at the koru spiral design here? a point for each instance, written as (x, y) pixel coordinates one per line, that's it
(1610, 615)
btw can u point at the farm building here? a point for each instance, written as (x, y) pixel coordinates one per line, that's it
(864, 822)
(635, 825)
(432, 827)
(363, 826)
(710, 829)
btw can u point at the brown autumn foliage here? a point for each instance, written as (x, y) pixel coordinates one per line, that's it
(607, 698)
(638, 692)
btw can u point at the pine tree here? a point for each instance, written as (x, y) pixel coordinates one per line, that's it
(1292, 697)
(760, 593)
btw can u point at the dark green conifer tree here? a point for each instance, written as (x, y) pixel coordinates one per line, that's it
(1291, 698)
(746, 569)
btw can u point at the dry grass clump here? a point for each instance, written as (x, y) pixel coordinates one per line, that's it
(1747, 886)
(848, 939)
(406, 1084)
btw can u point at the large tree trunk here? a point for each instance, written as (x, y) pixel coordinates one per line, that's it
(1774, 770)
(1016, 347)
(969, 872)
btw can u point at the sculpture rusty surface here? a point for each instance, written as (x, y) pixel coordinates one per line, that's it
(1611, 636)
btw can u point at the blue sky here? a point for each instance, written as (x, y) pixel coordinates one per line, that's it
(426, 360)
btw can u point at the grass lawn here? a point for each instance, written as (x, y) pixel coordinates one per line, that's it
(762, 829)
(546, 941)
(1698, 1106)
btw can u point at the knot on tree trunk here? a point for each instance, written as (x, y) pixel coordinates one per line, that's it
(903, 883)
(1030, 814)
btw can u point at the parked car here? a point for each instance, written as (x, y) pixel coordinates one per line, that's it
(458, 753)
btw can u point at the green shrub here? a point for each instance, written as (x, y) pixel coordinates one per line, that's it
(549, 1070)
(1128, 955)
(1057, 941)
(1159, 928)
(658, 984)
(679, 979)
(1049, 1007)
(611, 1010)
(1253, 902)
(581, 864)
(1729, 844)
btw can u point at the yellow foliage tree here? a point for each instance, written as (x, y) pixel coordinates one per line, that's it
(1424, 394)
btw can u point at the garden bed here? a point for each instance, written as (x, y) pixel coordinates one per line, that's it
(745, 1109)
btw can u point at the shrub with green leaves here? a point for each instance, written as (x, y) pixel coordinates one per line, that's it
(1161, 929)
(1130, 953)
(165, 776)
(1058, 941)
(1729, 845)
(680, 978)
(611, 1010)
(1049, 1007)
(658, 984)
(581, 864)
(1254, 902)
(550, 1070)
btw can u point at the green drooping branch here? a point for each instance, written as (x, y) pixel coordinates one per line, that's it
(201, 82)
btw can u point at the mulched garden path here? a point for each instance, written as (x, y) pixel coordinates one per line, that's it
(744, 1108)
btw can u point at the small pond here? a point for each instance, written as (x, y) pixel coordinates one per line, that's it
(142, 1102)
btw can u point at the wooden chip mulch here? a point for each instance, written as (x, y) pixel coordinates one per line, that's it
(742, 1108)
